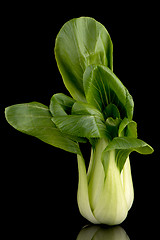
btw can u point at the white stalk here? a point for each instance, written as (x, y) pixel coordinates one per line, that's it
(111, 207)
(104, 194)
(127, 183)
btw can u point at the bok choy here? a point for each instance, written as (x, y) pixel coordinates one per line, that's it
(99, 112)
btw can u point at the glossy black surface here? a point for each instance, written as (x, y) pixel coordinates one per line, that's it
(39, 182)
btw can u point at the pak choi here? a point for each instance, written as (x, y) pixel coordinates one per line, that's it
(99, 111)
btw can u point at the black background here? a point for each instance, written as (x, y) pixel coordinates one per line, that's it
(38, 181)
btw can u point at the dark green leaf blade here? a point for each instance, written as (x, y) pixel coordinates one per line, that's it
(111, 111)
(126, 145)
(81, 42)
(80, 108)
(102, 87)
(35, 119)
(112, 126)
(80, 125)
(61, 104)
(127, 128)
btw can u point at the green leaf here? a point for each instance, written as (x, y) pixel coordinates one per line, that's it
(127, 128)
(102, 87)
(80, 108)
(112, 126)
(86, 121)
(126, 145)
(81, 42)
(61, 104)
(111, 111)
(80, 125)
(35, 119)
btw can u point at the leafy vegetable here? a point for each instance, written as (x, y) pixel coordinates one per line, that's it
(100, 112)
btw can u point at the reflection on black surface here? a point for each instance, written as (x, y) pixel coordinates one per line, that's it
(99, 233)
